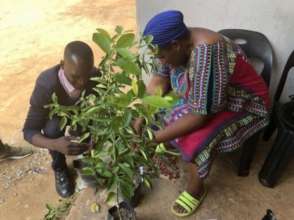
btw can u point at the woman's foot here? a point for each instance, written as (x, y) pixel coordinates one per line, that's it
(195, 188)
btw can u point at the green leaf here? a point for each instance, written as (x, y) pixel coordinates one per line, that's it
(158, 91)
(101, 86)
(87, 171)
(62, 114)
(126, 188)
(147, 183)
(122, 78)
(51, 114)
(102, 41)
(124, 152)
(106, 173)
(148, 39)
(95, 207)
(160, 148)
(96, 79)
(48, 206)
(54, 98)
(112, 182)
(144, 154)
(130, 131)
(135, 87)
(127, 118)
(141, 88)
(114, 153)
(111, 197)
(92, 109)
(104, 32)
(84, 137)
(116, 123)
(127, 170)
(150, 134)
(115, 170)
(125, 53)
(63, 122)
(119, 29)
(122, 101)
(157, 101)
(130, 159)
(126, 40)
(128, 66)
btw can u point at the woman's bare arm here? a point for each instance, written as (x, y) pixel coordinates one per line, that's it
(158, 82)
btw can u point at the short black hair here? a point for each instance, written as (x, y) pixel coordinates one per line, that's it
(81, 50)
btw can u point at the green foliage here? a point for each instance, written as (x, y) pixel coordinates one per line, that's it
(105, 117)
(58, 212)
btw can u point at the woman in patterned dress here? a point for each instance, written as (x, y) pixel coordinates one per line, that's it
(223, 100)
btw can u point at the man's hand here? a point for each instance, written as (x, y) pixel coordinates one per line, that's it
(65, 145)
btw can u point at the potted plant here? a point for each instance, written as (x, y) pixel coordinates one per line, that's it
(105, 117)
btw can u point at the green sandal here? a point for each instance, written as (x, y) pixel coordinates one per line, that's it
(188, 202)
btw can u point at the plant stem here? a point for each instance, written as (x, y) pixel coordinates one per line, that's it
(117, 200)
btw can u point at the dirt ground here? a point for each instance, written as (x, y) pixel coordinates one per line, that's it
(229, 196)
(32, 37)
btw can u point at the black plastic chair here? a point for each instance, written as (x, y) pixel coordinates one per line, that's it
(255, 45)
(282, 119)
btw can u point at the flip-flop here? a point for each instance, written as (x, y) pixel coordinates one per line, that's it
(187, 202)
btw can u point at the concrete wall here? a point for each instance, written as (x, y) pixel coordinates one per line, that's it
(273, 18)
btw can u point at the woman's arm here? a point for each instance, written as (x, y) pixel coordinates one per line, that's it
(180, 127)
(158, 82)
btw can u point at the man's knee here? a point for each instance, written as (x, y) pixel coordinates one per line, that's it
(52, 128)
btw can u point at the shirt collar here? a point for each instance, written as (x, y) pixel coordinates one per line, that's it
(68, 87)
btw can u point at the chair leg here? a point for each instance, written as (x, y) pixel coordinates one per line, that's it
(269, 130)
(278, 159)
(247, 154)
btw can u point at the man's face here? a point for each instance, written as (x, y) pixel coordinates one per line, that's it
(77, 71)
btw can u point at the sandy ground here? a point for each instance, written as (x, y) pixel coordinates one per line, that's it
(229, 197)
(32, 37)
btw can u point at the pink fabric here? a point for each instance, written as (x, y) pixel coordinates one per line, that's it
(68, 87)
(191, 144)
(245, 77)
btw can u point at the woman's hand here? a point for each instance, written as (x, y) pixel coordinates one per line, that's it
(183, 126)
(138, 125)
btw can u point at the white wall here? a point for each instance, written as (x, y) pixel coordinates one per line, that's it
(273, 18)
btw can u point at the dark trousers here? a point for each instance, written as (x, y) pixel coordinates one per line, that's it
(52, 130)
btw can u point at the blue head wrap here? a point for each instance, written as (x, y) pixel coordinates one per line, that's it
(165, 27)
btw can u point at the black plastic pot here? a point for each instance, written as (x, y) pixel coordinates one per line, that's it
(269, 215)
(138, 195)
(140, 189)
(127, 212)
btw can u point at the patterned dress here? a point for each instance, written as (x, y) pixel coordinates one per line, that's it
(218, 81)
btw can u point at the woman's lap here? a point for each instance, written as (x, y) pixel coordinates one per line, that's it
(224, 132)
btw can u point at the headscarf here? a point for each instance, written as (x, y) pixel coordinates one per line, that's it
(166, 27)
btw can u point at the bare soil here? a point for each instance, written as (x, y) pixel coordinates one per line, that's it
(33, 34)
